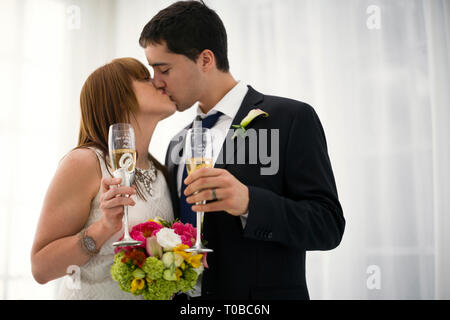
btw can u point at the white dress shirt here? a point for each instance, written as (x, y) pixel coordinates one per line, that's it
(229, 106)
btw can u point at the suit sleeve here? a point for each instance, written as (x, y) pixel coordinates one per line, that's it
(308, 214)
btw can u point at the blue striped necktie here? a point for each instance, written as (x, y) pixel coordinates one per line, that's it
(186, 213)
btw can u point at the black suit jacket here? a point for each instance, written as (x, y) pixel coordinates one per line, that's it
(295, 210)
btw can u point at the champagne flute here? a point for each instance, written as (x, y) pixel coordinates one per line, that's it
(199, 154)
(122, 154)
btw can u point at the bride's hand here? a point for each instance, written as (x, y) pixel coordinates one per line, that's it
(112, 201)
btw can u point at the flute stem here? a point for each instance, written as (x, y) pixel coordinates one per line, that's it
(125, 222)
(199, 228)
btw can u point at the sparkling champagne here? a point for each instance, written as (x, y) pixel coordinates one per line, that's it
(193, 164)
(122, 153)
(199, 154)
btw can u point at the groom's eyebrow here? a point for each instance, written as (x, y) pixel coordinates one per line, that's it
(158, 64)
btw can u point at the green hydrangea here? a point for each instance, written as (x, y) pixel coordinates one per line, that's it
(156, 287)
(153, 268)
(187, 280)
(160, 290)
(121, 272)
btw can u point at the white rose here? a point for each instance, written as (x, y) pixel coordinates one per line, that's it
(168, 239)
(199, 270)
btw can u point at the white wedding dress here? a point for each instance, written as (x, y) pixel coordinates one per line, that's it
(94, 281)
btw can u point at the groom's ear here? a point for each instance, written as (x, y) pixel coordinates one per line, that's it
(206, 60)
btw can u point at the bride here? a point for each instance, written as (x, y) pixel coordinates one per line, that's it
(81, 217)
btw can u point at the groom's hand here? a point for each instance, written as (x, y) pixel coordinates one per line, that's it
(232, 195)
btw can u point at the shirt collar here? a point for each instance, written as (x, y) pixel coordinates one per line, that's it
(230, 103)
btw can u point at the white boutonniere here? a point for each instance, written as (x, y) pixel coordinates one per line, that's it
(240, 129)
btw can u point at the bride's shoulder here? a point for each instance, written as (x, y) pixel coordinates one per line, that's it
(84, 161)
(78, 174)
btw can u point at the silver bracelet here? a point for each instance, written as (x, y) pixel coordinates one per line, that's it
(87, 243)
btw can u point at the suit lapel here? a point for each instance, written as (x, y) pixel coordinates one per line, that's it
(175, 152)
(176, 146)
(251, 99)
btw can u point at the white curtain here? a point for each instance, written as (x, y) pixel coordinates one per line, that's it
(48, 48)
(437, 17)
(377, 73)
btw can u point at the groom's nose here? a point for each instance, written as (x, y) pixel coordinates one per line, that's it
(158, 83)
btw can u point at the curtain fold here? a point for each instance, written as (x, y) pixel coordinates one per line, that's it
(437, 17)
(48, 49)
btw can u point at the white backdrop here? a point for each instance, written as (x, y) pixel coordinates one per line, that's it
(377, 73)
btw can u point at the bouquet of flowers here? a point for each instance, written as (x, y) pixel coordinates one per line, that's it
(159, 268)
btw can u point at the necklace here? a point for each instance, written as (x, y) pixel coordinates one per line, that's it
(147, 177)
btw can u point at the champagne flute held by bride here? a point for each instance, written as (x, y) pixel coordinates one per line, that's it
(122, 154)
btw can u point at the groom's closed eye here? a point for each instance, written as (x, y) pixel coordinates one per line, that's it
(161, 66)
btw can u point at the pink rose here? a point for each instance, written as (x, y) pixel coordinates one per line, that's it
(187, 233)
(141, 232)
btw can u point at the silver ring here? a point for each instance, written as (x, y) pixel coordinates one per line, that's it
(214, 195)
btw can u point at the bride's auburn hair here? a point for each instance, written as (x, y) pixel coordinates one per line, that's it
(107, 97)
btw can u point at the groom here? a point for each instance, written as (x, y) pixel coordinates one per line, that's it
(260, 220)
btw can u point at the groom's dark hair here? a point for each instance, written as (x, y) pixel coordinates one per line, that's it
(188, 28)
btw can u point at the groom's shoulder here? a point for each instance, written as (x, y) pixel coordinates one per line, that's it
(286, 106)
